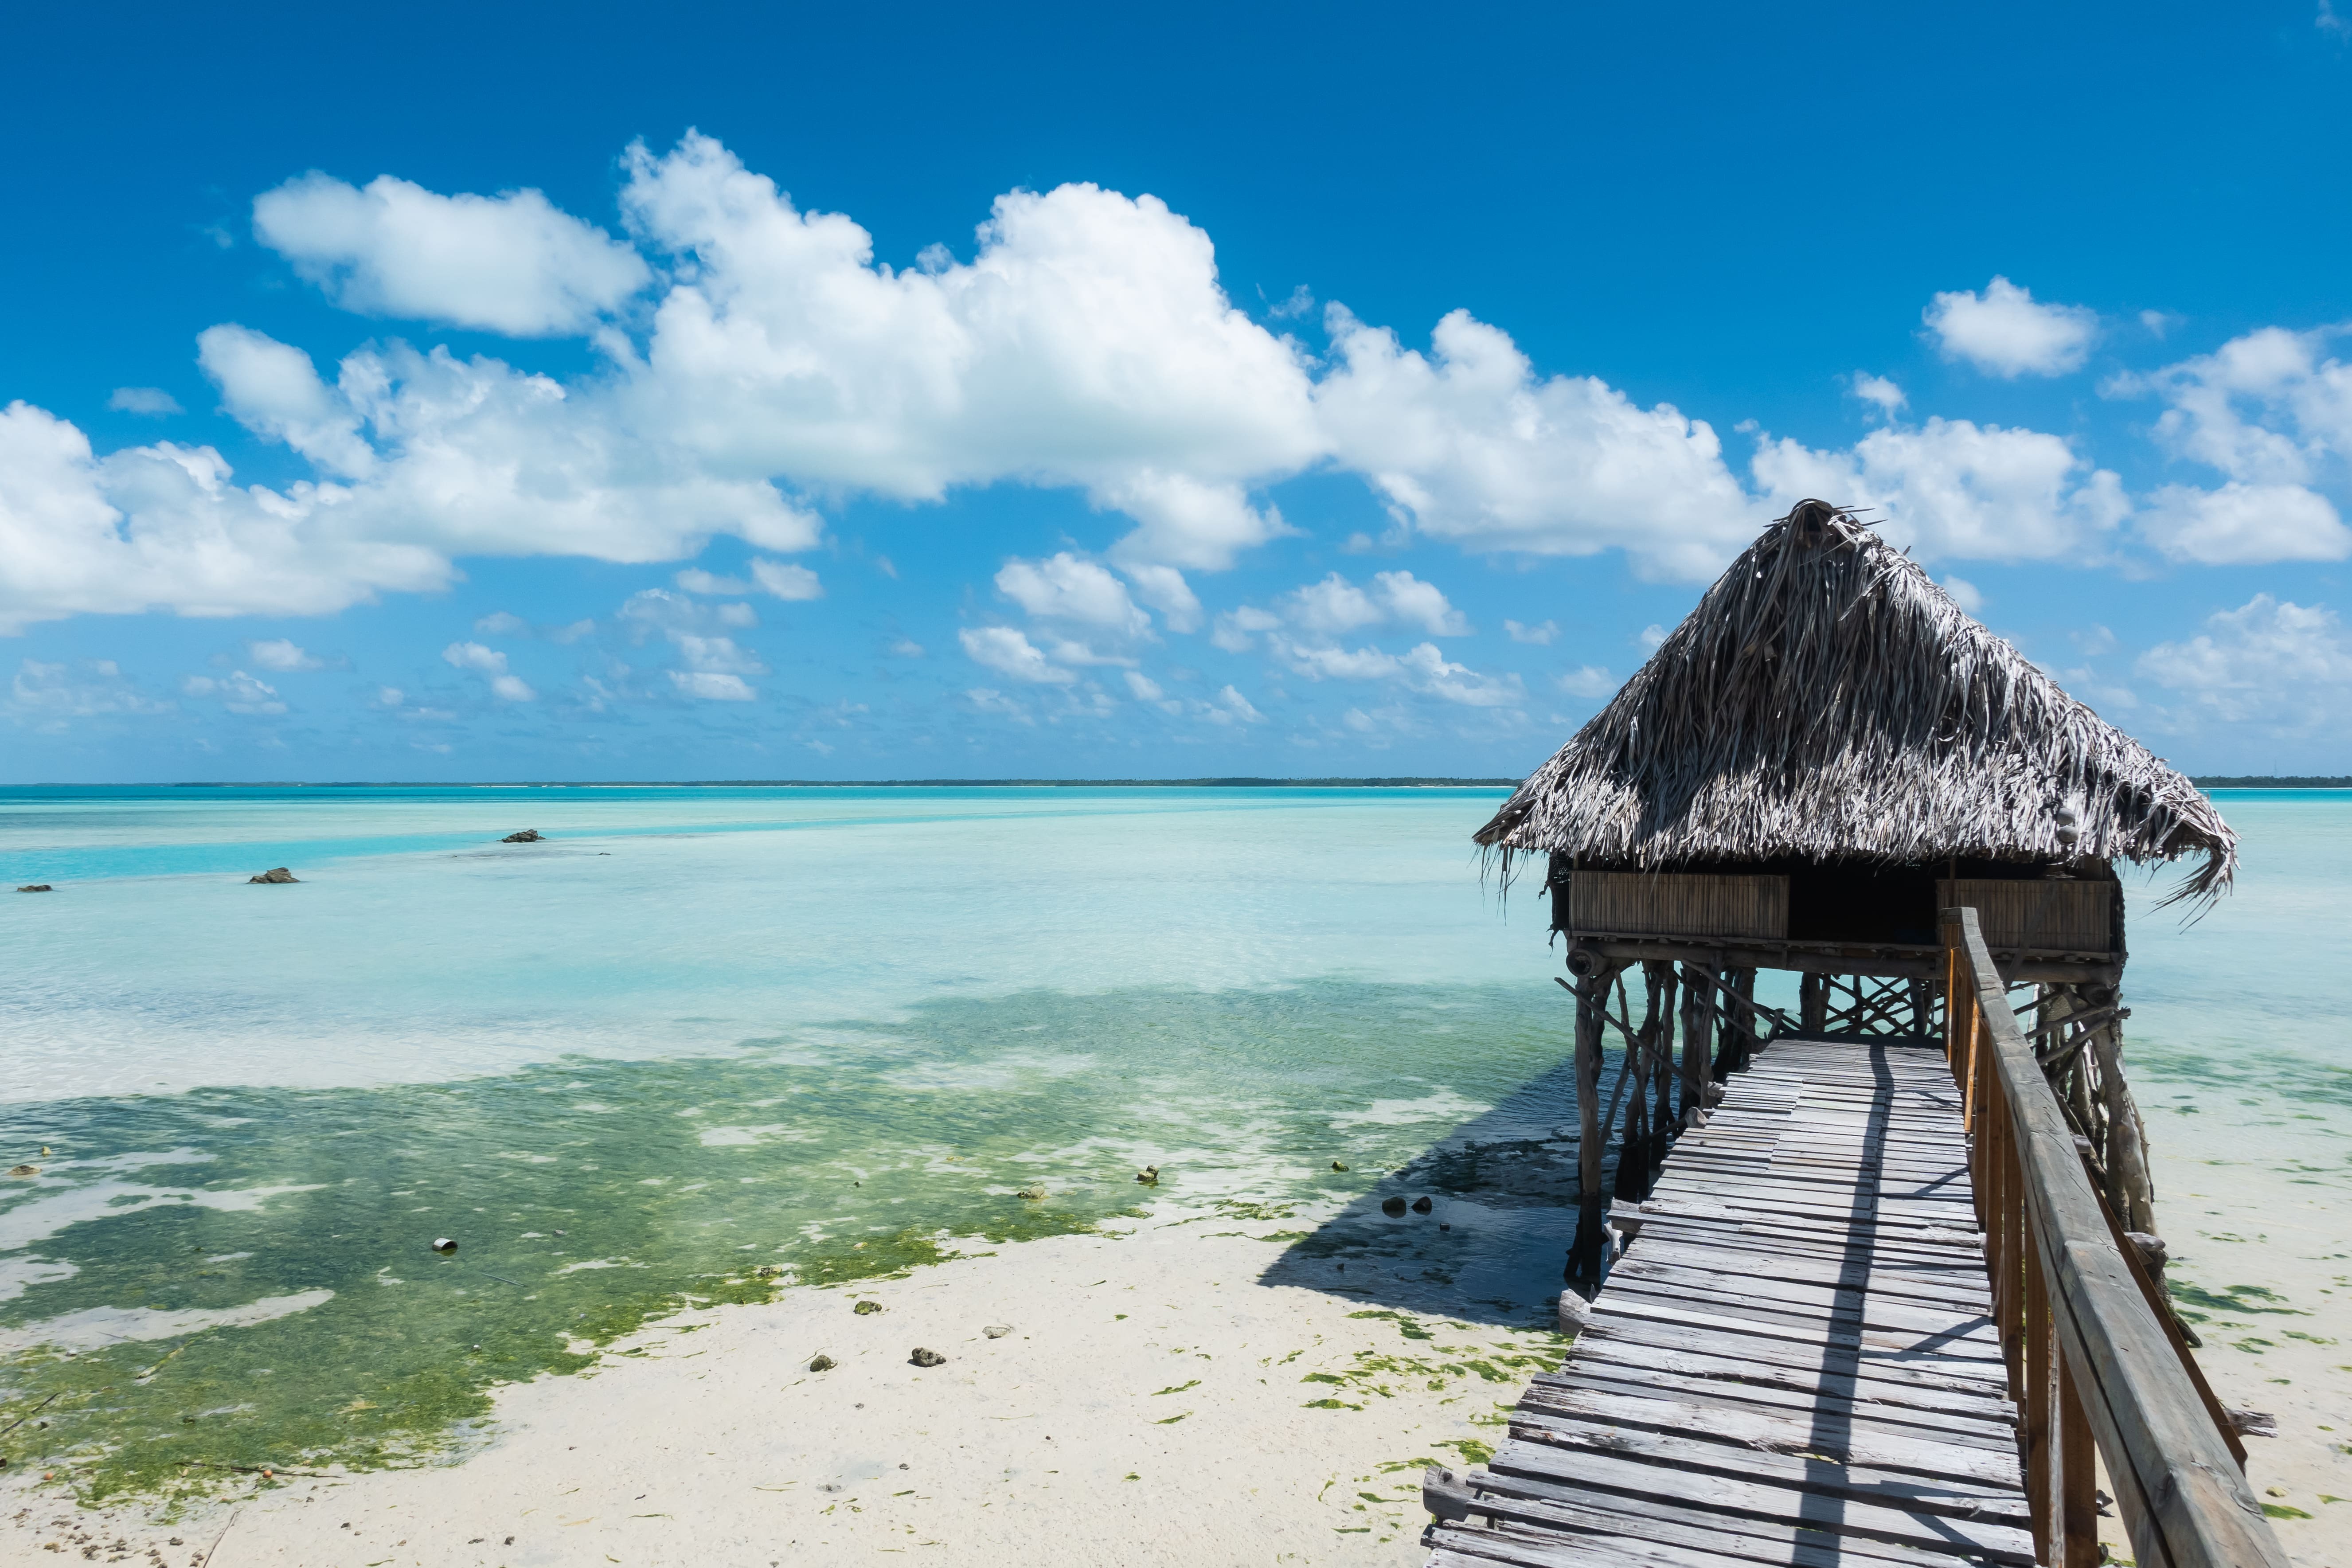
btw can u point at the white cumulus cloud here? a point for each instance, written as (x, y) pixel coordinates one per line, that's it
(510, 263)
(1067, 587)
(2267, 660)
(1951, 488)
(2006, 332)
(282, 655)
(1469, 445)
(491, 662)
(2245, 525)
(1007, 651)
(239, 692)
(1422, 668)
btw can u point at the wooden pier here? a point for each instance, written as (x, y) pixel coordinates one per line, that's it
(1793, 1363)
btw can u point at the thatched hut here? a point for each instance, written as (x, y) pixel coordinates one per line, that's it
(1826, 753)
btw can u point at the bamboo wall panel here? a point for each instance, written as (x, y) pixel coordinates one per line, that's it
(2049, 916)
(1679, 903)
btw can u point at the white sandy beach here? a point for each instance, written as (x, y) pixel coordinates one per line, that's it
(2229, 1217)
(1153, 1403)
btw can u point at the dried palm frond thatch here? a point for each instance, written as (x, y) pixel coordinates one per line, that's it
(1827, 700)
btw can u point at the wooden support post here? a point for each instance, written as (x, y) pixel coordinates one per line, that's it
(1813, 1002)
(1664, 1118)
(1634, 1152)
(2131, 1189)
(1699, 1011)
(1587, 1256)
(1744, 981)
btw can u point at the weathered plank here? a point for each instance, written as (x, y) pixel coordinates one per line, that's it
(1823, 1432)
(1823, 1409)
(1793, 1363)
(1761, 1539)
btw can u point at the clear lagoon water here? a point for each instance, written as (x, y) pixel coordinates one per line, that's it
(705, 1042)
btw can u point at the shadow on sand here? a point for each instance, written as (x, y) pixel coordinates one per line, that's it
(1502, 1195)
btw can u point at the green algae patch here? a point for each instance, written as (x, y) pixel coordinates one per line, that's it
(2198, 1304)
(887, 1257)
(1473, 1451)
(230, 1279)
(1409, 1326)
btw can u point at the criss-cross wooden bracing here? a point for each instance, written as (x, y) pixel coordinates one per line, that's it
(1826, 753)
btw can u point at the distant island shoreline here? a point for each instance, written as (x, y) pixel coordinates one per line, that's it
(2235, 781)
(874, 783)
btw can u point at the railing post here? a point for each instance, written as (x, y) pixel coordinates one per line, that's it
(2074, 1467)
(2034, 1411)
(2009, 1240)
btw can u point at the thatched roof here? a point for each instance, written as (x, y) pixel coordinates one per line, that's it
(1827, 700)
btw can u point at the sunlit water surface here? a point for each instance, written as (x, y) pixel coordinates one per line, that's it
(829, 1032)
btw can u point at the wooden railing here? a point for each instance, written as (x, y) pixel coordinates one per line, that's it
(2095, 1360)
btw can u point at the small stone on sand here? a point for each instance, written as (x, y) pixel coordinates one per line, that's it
(866, 1308)
(997, 1331)
(822, 1364)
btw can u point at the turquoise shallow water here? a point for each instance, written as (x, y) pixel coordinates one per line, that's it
(703, 1031)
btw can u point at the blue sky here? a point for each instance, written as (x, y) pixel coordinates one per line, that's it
(579, 392)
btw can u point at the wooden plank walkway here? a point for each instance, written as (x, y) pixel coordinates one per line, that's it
(1791, 1365)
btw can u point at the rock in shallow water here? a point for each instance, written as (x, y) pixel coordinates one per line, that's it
(37, 887)
(275, 874)
(528, 836)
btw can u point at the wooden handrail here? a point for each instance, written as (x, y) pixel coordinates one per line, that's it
(2090, 1362)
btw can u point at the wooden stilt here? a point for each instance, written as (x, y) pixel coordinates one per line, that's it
(1587, 1256)
(1813, 1002)
(1698, 1018)
(1666, 1116)
(2126, 1135)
